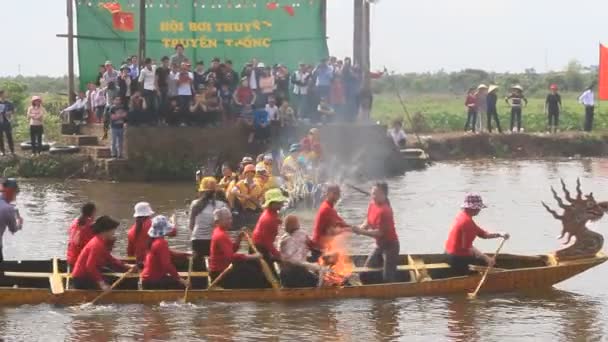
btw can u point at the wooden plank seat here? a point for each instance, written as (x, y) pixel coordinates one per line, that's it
(403, 268)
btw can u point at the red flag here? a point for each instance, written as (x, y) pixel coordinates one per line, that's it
(603, 73)
(123, 21)
(272, 5)
(290, 10)
(113, 7)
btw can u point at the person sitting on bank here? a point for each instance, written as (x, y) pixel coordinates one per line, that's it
(397, 134)
(223, 253)
(9, 215)
(159, 271)
(80, 233)
(202, 221)
(459, 246)
(76, 112)
(267, 228)
(327, 223)
(95, 256)
(380, 225)
(248, 192)
(296, 271)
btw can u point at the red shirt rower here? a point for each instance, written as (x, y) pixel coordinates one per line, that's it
(80, 233)
(95, 256)
(267, 228)
(327, 221)
(223, 250)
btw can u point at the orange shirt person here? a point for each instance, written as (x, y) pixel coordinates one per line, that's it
(95, 256)
(459, 245)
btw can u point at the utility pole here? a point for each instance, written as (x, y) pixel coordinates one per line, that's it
(142, 31)
(361, 51)
(70, 15)
(357, 20)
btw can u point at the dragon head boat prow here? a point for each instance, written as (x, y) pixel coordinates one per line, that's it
(576, 213)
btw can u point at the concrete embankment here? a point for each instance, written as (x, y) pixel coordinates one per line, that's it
(453, 146)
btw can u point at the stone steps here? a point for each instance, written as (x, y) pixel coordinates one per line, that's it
(81, 140)
(97, 152)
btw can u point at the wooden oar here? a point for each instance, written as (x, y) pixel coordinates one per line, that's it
(220, 277)
(55, 279)
(483, 279)
(357, 189)
(116, 283)
(189, 276)
(265, 268)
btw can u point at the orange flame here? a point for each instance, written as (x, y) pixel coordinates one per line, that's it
(336, 257)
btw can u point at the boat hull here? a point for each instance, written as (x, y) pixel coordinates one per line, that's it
(513, 280)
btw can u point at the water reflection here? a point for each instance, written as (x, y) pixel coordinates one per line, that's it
(461, 317)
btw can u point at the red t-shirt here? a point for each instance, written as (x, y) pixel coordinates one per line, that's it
(244, 95)
(471, 101)
(266, 231)
(93, 257)
(137, 245)
(159, 262)
(79, 236)
(380, 217)
(463, 233)
(222, 251)
(309, 145)
(327, 217)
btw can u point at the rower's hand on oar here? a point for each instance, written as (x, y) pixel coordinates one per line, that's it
(255, 256)
(505, 236)
(185, 282)
(104, 286)
(490, 261)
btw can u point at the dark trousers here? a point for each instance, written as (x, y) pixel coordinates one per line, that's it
(553, 118)
(6, 129)
(387, 257)
(244, 275)
(471, 120)
(151, 101)
(460, 264)
(297, 276)
(165, 283)
(1, 261)
(268, 258)
(183, 101)
(516, 118)
(200, 249)
(589, 112)
(84, 284)
(36, 138)
(163, 103)
(493, 115)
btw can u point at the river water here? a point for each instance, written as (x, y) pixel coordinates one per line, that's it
(425, 203)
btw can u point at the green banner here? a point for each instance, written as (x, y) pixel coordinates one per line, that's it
(280, 31)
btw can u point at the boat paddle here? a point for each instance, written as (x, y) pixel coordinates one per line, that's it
(265, 267)
(190, 262)
(55, 279)
(219, 277)
(116, 283)
(472, 295)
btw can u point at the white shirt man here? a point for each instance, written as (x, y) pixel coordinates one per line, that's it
(147, 78)
(300, 82)
(184, 88)
(587, 98)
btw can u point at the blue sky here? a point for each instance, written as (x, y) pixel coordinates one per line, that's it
(407, 35)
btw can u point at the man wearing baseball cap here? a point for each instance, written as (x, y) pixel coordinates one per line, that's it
(9, 215)
(459, 245)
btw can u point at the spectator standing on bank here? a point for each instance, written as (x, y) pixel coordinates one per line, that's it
(553, 107)
(147, 81)
(587, 99)
(274, 121)
(124, 84)
(482, 105)
(213, 105)
(243, 96)
(200, 76)
(90, 102)
(323, 74)
(471, 106)
(185, 80)
(516, 100)
(178, 58)
(300, 80)
(134, 74)
(229, 76)
(225, 94)
(491, 100)
(118, 115)
(100, 102)
(162, 84)
(252, 72)
(100, 72)
(6, 116)
(288, 124)
(351, 77)
(110, 83)
(281, 92)
(337, 96)
(266, 86)
(35, 115)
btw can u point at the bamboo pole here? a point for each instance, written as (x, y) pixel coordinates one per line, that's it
(142, 31)
(71, 77)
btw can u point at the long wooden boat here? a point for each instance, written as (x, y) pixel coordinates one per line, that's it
(27, 282)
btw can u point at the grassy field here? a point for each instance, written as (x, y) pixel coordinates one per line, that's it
(445, 113)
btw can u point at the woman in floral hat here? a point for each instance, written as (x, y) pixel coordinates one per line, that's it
(36, 113)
